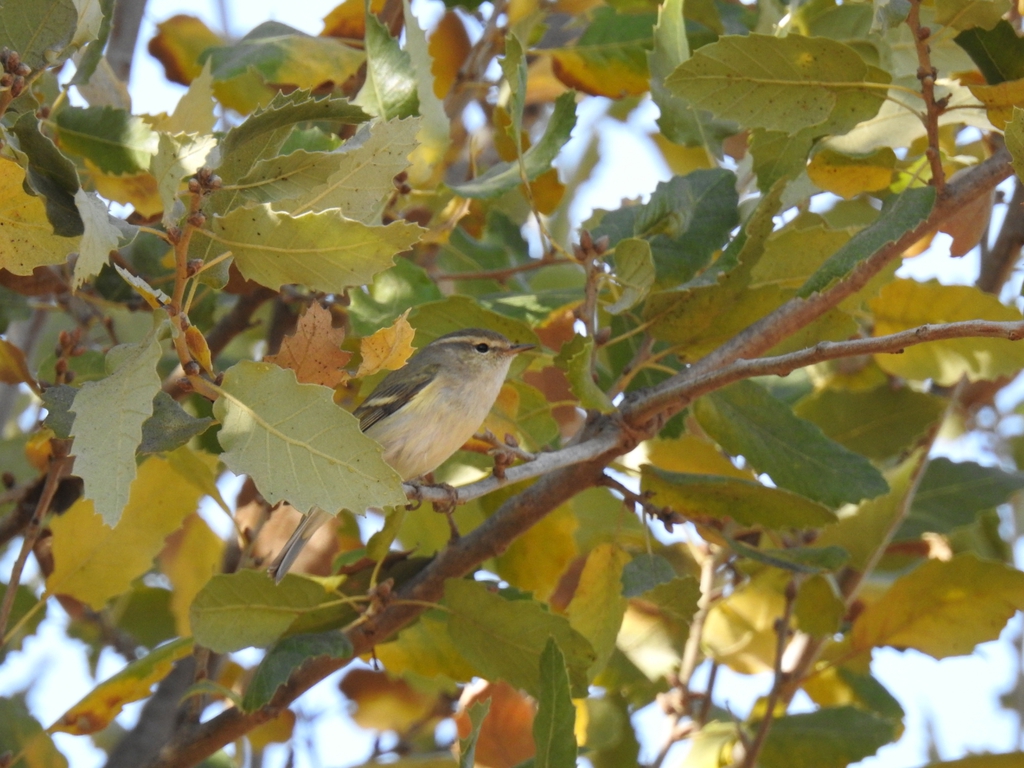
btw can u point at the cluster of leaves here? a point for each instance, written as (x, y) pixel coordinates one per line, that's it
(342, 217)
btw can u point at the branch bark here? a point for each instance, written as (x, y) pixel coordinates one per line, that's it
(567, 472)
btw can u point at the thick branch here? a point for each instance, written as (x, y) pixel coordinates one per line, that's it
(997, 264)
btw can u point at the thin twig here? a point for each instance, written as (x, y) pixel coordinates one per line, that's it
(774, 697)
(926, 73)
(60, 465)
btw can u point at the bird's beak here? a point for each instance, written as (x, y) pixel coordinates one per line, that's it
(515, 349)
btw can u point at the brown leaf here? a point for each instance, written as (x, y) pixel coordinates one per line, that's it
(967, 224)
(386, 704)
(314, 350)
(388, 348)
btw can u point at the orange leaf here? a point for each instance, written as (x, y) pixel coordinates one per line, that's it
(179, 43)
(547, 191)
(449, 46)
(314, 350)
(506, 736)
(276, 731)
(13, 367)
(968, 224)
(388, 348)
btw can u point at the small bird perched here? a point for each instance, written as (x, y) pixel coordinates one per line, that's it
(424, 412)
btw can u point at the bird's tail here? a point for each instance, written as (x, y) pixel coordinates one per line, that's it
(305, 530)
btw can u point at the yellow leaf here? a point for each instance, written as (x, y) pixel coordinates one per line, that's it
(542, 87)
(386, 704)
(942, 608)
(196, 343)
(13, 367)
(276, 731)
(38, 449)
(693, 454)
(178, 44)
(348, 20)
(425, 649)
(682, 160)
(93, 562)
(140, 190)
(740, 630)
(999, 100)
(104, 702)
(849, 176)
(904, 304)
(597, 607)
(536, 560)
(26, 235)
(388, 348)
(449, 46)
(547, 191)
(190, 558)
(601, 75)
(314, 351)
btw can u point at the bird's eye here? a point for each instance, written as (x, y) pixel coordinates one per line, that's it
(481, 348)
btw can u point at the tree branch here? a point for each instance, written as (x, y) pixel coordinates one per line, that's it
(567, 472)
(997, 264)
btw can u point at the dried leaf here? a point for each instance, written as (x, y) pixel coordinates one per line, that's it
(388, 348)
(314, 350)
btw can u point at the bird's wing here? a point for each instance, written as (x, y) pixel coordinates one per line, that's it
(391, 394)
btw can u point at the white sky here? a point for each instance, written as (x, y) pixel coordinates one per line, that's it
(955, 700)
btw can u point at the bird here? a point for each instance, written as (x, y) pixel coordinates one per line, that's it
(424, 412)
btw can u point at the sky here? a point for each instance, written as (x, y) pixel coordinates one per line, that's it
(954, 702)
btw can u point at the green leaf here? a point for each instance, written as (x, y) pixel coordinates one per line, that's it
(968, 14)
(101, 236)
(504, 639)
(998, 52)
(38, 30)
(796, 559)
(108, 425)
(261, 135)
(818, 608)
(555, 721)
(358, 179)
(780, 155)
(434, 135)
(246, 608)
(436, 318)
(390, 87)
(687, 220)
(297, 445)
(50, 174)
(502, 177)
(783, 84)
(393, 291)
(942, 608)
(58, 401)
(877, 423)
(467, 746)
(194, 111)
(93, 30)
(953, 494)
(324, 251)
(176, 158)
(282, 54)
(380, 543)
(680, 123)
(904, 304)
(597, 605)
(832, 737)
(114, 140)
(1015, 141)
(20, 733)
(746, 420)
(645, 572)
(746, 501)
(24, 601)
(634, 273)
(170, 426)
(285, 657)
(899, 216)
(576, 359)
